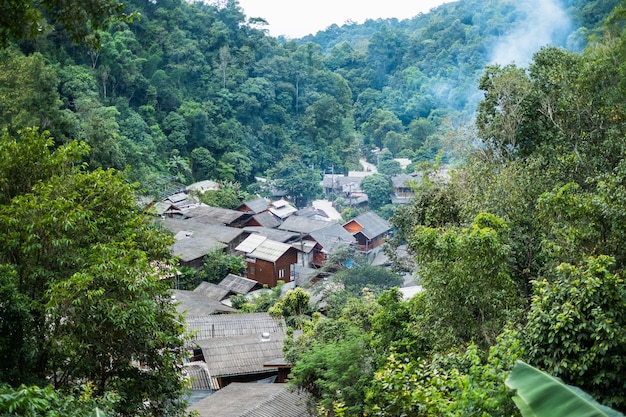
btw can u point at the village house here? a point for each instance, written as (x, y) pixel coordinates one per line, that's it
(369, 230)
(233, 347)
(268, 261)
(403, 187)
(218, 215)
(191, 251)
(197, 228)
(326, 241)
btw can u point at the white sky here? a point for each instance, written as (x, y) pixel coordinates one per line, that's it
(298, 18)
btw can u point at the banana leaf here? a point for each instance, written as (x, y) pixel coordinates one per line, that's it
(97, 413)
(539, 394)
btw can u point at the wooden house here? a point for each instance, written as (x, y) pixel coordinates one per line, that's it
(268, 261)
(403, 187)
(326, 241)
(265, 219)
(369, 230)
(241, 358)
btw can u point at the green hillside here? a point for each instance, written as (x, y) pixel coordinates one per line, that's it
(193, 91)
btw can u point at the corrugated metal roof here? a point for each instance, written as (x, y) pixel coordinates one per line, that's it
(192, 248)
(217, 215)
(237, 284)
(332, 236)
(373, 225)
(274, 234)
(250, 243)
(269, 250)
(257, 205)
(215, 292)
(194, 304)
(240, 399)
(267, 219)
(300, 224)
(225, 325)
(219, 232)
(239, 355)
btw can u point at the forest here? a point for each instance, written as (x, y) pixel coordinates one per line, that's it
(519, 247)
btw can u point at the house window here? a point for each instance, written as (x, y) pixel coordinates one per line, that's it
(281, 274)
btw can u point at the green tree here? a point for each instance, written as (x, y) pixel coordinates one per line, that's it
(575, 328)
(217, 265)
(229, 195)
(374, 278)
(79, 255)
(301, 183)
(32, 401)
(378, 188)
(454, 384)
(294, 307)
(469, 293)
(27, 19)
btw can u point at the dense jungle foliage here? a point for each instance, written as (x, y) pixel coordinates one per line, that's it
(180, 92)
(519, 246)
(520, 253)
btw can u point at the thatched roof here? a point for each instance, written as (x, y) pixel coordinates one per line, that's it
(240, 399)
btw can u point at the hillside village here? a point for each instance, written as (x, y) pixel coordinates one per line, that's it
(282, 246)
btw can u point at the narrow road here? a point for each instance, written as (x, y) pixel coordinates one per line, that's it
(367, 166)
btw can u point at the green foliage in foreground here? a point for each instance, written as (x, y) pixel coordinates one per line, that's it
(89, 280)
(32, 401)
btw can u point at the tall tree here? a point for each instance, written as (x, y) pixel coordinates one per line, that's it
(92, 275)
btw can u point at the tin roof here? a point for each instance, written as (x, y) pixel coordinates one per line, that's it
(250, 243)
(237, 355)
(373, 225)
(217, 214)
(215, 292)
(301, 224)
(226, 325)
(274, 234)
(238, 284)
(270, 250)
(332, 236)
(267, 219)
(192, 248)
(240, 399)
(193, 304)
(256, 206)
